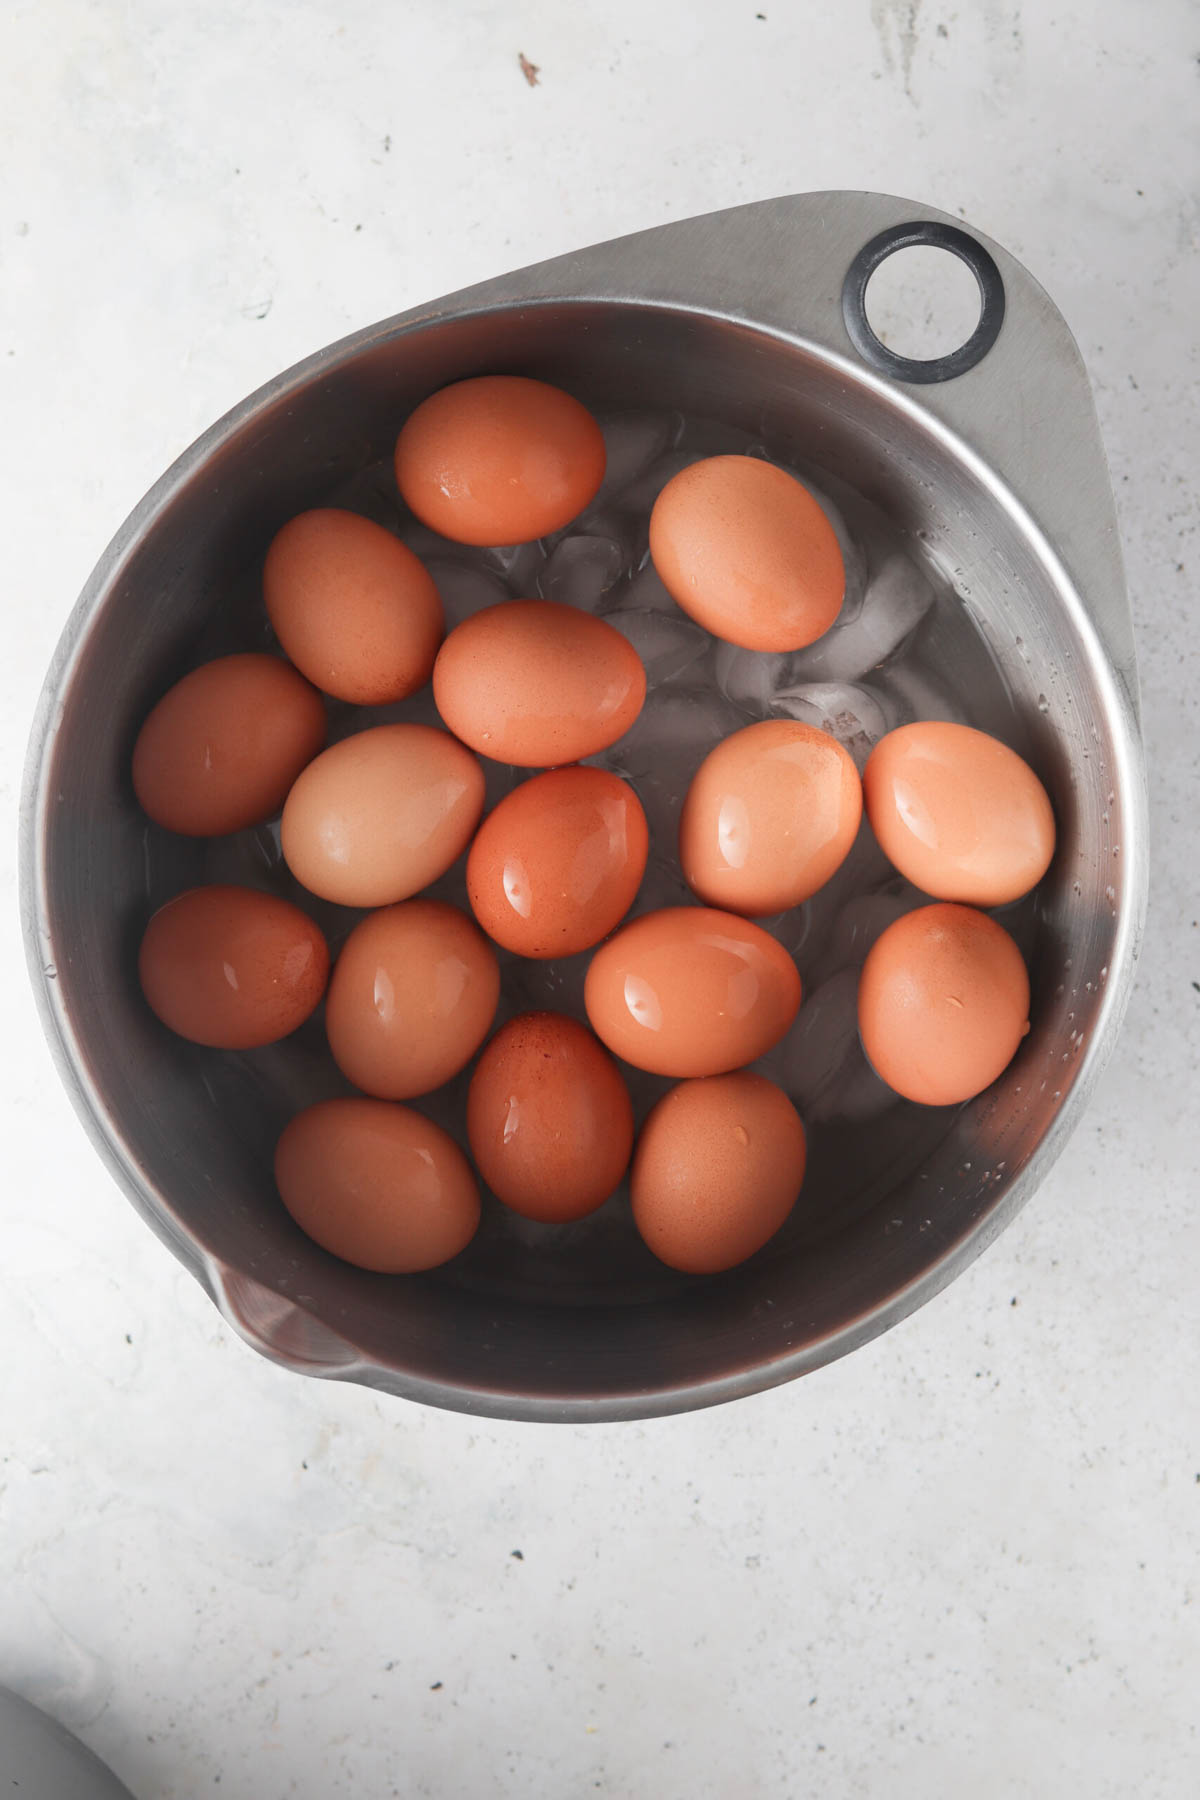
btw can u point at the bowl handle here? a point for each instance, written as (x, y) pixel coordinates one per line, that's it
(1017, 395)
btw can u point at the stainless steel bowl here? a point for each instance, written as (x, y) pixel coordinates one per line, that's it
(991, 462)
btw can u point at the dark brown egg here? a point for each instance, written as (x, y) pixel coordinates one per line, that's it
(231, 967)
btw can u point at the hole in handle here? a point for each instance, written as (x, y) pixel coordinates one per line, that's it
(930, 234)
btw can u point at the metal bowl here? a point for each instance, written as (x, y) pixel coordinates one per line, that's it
(991, 463)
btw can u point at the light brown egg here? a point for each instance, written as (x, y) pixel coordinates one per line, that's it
(549, 1118)
(745, 549)
(534, 683)
(499, 459)
(960, 814)
(413, 996)
(770, 815)
(380, 1186)
(231, 967)
(382, 814)
(691, 991)
(943, 1003)
(718, 1166)
(558, 863)
(223, 746)
(352, 606)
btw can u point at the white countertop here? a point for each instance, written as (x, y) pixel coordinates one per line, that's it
(965, 1559)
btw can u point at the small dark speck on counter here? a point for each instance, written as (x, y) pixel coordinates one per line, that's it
(434, 1686)
(761, 16)
(304, 1465)
(1196, 985)
(519, 1555)
(529, 70)
(1013, 1301)
(358, 228)
(942, 32)
(387, 144)
(129, 1340)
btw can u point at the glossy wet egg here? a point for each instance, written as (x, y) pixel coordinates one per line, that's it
(223, 746)
(718, 1167)
(534, 683)
(352, 606)
(747, 552)
(960, 814)
(231, 967)
(379, 1185)
(499, 459)
(943, 1003)
(558, 863)
(549, 1118)
(691, 991)
(412, 997)
(380, 815)
(770, 816)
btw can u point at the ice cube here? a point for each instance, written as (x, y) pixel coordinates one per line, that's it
(464, 589)
(865, 917)
(580, 570)
(666, 642)
(821, 1063)
(897, 598)
(640, 495)
(632, 443)
(665, 745)
(643, 592)
(750, 679)
(808, 934)
(915, 692)
(518, 566)
(853, 714)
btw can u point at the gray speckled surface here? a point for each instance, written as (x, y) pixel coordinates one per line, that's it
(966, 1557)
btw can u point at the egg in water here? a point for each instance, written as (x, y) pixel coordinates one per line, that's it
(718, 1168)
(549, 1118)
(943, 1003)
(499, 459)
(379, 1185)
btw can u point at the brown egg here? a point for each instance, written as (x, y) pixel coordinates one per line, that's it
(943, 1002)
(380, 1186)
(413, 996)
(382, 814)
(770, 816)
(231, 967)
(499, 459)
(718, 1166)
(690, 991)
(744, 549)
(557, 865)
(352, 606)
(959, 813)
(549, 1118)
(534, 683)
(223, 746)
